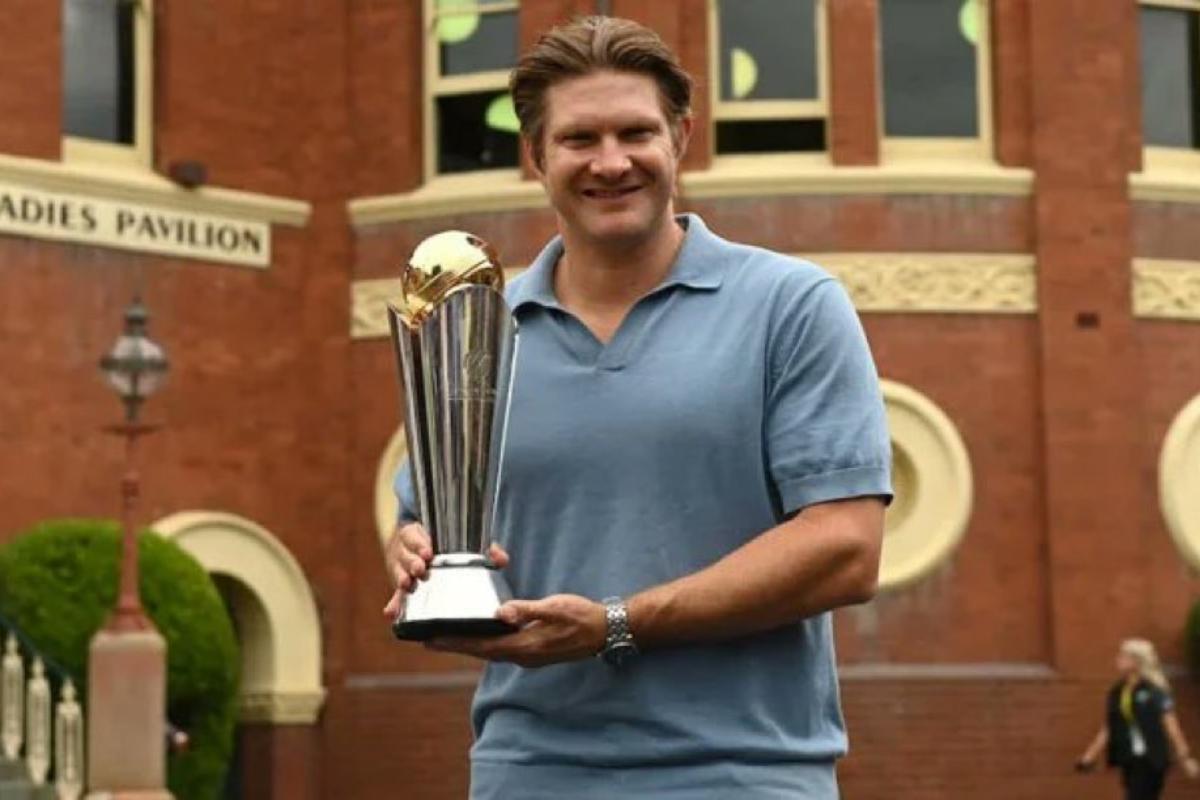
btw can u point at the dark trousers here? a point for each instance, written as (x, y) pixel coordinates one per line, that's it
(1143, 781)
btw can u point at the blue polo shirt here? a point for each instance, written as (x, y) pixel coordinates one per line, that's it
(734, 394)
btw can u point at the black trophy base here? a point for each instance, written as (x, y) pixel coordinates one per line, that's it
(426, 629)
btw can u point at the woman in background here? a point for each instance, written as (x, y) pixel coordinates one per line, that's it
(1140, 718)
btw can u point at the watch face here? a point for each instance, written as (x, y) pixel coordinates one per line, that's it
(620, 654)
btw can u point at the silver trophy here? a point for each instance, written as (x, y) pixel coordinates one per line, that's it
(456, 342)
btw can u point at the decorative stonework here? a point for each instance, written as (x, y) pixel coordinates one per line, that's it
(964, 283)
(1166, 289)
(933, 484)
(936, 282)
(368, 306)
(281, 708)
(1178, 477)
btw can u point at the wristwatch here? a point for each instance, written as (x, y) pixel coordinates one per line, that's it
(619, 647)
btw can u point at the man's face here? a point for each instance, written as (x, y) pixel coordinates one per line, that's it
(608, 158)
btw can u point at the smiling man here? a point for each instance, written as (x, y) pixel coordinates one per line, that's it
(695, 474)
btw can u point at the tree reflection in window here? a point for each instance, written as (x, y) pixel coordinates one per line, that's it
(768, 49)
(475, 44)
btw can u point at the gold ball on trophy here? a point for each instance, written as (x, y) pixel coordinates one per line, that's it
(442, 263)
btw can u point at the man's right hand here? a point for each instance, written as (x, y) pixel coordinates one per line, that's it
(409, 552)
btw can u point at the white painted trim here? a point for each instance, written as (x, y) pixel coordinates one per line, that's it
(281, 641)
(1178, 477)
(980, 146)
(143, 186)
(140, 153)
(933, 498)
(730, 176)
(1184, 5)
(736, 110)
(387, 507)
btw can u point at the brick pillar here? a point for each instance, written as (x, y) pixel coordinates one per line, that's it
(281, 762)
(386, 100)
(683, 25)
(1092, 421)
(854, 129)
(31, 79)
(1012, 123)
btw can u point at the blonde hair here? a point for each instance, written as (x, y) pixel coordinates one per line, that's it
(591, 44)
(1146, 657)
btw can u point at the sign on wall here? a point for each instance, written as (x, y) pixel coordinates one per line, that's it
(132, 226)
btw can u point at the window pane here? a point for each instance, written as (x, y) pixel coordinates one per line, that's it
(770, 136)
(98, 74)
(930, 67)
(1170, 77)
(477, 42)
(768, 49)
(475, 133)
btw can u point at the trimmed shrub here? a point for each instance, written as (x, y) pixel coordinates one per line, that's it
(58, 583)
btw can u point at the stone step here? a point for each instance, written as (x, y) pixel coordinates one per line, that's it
(11, 769)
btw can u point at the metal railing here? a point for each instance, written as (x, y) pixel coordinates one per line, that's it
(39, 730)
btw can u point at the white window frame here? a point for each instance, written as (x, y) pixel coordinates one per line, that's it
(435, 85)
(745, 110)
(1158, 157)
(79, 150)
(980, 146)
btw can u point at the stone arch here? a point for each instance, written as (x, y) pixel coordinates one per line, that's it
(387, 507)
(1179, 479)
(274, 608)
(931, 474)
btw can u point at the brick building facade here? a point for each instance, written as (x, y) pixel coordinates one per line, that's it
(1034, 281)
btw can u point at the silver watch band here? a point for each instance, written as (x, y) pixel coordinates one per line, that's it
(619, 645)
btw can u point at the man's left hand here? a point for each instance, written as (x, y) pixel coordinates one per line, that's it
(556, 629)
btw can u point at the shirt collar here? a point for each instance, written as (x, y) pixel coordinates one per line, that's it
(698, 265)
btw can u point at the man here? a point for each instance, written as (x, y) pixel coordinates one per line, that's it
(695, 473)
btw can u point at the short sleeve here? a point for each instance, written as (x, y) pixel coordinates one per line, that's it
(403, 486)
(825, 427)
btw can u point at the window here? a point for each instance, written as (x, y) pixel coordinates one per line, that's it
(934, 69)
(1170, 47)
(106, 80)
(470, 122)
(769, 75)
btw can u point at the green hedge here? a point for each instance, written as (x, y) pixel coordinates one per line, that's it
(58, 583)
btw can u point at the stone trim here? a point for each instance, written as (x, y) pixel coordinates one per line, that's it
(1164, 289)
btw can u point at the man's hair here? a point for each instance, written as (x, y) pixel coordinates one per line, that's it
(591, 44)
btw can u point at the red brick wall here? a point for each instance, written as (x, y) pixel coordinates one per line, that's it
(30, 79)
(273, 413)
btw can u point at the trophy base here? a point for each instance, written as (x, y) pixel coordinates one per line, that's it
(460, 598)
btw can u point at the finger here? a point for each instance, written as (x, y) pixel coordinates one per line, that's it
(498, 555)
(415, 565)
(394, 606)
(523, 612)
(415, 539)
